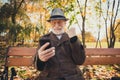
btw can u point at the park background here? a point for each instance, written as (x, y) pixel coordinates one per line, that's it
(97, 23)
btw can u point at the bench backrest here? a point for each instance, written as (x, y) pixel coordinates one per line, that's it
(102, 56)
(20, 56)
(23, 56)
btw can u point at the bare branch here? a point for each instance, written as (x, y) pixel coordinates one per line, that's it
(106, 23)
(79, 8)
(116, 15)
(117, 26)
(19, 6)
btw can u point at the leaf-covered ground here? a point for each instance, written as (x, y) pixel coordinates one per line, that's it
(98, 72)
(95, 72)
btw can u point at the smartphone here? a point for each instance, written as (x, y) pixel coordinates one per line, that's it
(43, 41)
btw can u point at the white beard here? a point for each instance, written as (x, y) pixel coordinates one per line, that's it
(57, 32)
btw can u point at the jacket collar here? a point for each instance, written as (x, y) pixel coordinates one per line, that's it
(63, 38)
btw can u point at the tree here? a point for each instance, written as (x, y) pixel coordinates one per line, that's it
(14, 27)
(5, 13)
(117, 30)
(83, 15)
(98, 12)
(16, 6)
(112, 19)
(89, 37)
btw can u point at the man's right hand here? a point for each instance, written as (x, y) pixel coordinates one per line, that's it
(43, 54)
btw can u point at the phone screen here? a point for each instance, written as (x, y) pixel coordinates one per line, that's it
(43, 41)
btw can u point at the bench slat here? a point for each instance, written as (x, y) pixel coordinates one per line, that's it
(21, 51)
(101, 60)
(89, 61)
(102, 51)
(24, 51)
(20, 61)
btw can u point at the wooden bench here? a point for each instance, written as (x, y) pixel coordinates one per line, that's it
(23, 56)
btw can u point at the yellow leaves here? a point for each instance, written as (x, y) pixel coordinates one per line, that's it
(28, 6)
(83, 14)
(28, 72)
(64, 2)
(118, 75)
(90, 13)
(33, 8)
(42, 9)
(96, 72)
(103, 0)
(117, 31)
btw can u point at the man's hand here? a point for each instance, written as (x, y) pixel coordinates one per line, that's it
(43, 54)
(71, 32)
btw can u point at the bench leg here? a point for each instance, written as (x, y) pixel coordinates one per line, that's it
(115, 78)
(6, 73)
(13, 73)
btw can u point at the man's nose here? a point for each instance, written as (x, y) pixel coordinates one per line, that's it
(56, 24)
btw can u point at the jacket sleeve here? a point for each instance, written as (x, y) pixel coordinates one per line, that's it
(38, 64)
(78, 52)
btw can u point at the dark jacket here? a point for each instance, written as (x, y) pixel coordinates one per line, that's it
(68, 54)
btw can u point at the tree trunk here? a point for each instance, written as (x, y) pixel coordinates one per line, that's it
(98, 39)
(112, 25)
(83, 32)
(16, 7)
(14, 19)
(112, 38)
(83, 15)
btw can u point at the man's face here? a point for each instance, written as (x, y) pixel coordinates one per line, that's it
(58, 25)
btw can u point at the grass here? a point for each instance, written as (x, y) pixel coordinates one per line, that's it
(103, 45)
